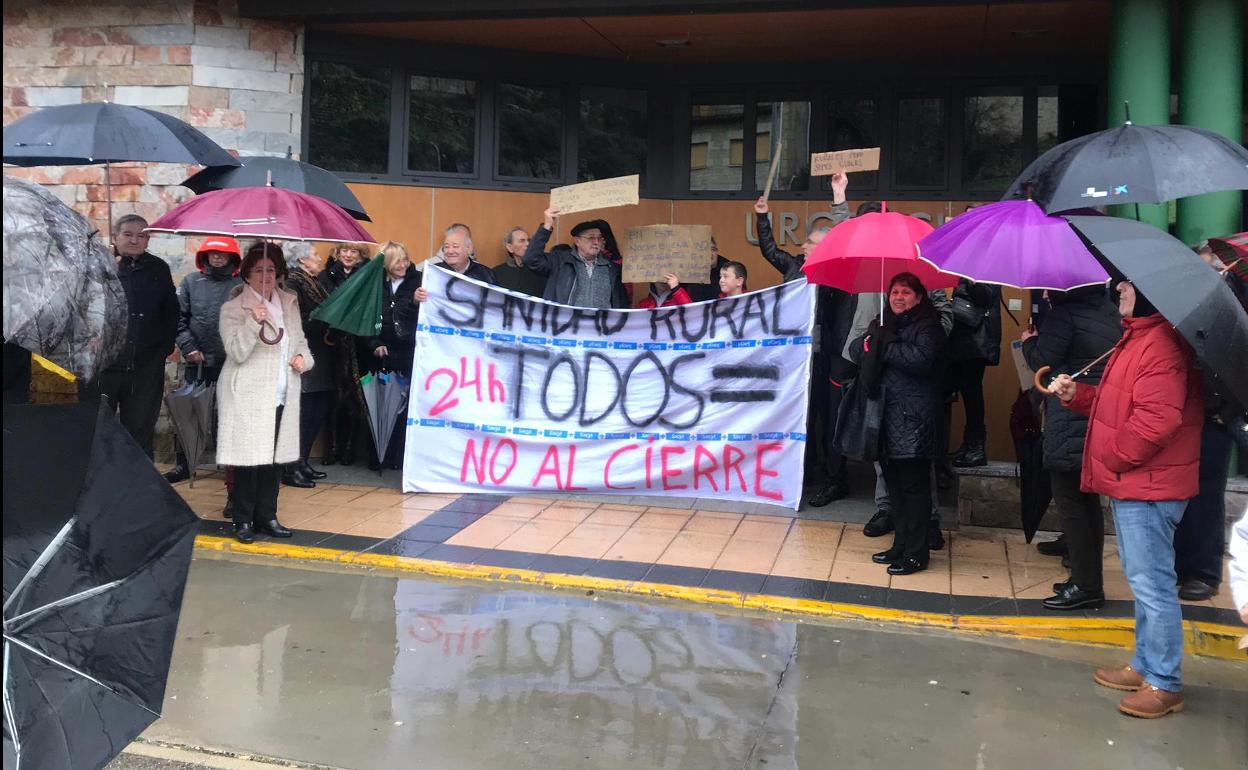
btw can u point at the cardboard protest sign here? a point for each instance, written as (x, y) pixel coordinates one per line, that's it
(600, 194)
(652, 250)
(826, 163)
(514, 394)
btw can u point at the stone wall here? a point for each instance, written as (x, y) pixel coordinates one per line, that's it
(240, 81)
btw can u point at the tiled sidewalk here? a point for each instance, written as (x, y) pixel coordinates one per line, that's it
(982, 572)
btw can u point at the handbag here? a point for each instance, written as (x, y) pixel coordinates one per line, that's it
(858, 423)
(967, 313)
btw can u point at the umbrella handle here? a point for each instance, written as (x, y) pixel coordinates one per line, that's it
(267, 340)
(1040, 386)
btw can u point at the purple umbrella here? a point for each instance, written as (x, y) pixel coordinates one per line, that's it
(1013, 243)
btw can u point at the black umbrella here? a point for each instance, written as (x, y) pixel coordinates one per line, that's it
(1133, 164)
(1035, 486)
(96, 551)
(81, 134)
(1187, 292)
(280, 172)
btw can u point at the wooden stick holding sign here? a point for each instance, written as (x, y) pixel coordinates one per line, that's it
(599, 194)
(771, 175)
(845, 161)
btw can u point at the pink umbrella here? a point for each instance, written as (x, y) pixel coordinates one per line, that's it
(864, 253)
(263, 212)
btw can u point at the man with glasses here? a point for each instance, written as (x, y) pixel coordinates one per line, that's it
(580, 275)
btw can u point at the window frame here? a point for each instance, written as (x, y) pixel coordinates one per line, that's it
(561, 91)
(406, 134)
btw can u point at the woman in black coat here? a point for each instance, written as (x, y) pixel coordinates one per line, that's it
(346, 405)
(1080, 327)
(394, 346)
(905, 359)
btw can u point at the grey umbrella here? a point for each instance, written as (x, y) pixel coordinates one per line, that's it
(385, 395)
(62, 297)
(190, 411)
(80, 134)
(287, 173)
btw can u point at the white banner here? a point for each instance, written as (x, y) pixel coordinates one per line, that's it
(512, 394)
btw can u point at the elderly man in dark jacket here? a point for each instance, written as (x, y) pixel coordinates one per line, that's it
(200, 297)
(581, 275)
(1080, 327)
(834, 316)
(135, 381)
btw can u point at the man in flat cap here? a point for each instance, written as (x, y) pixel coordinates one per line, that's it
(581, 274)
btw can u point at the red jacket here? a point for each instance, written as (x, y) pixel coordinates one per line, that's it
(678, 297)
(1143, 439)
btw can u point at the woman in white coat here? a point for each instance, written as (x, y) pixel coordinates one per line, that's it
(258, 391)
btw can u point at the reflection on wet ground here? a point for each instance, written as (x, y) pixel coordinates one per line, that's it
(365, 671)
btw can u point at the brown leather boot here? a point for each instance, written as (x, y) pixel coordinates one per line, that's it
(1151, 703)
(1125, 678)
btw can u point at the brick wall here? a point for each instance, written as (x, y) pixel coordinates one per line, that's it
(239, 80)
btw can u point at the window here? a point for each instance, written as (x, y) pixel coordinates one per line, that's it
(530, 132)
(721, 127)
(992, 152)
(853, 125)
(349, 117)
(442, 125)
(697, 155)
(1047, 126)
(921, 144)
(789, 124)
(611, 134)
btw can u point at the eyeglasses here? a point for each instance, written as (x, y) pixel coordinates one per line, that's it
(591, 238)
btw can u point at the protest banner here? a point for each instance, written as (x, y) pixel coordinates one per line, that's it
(652, 250)
(825, 163)
(599, 194)
(512, 394)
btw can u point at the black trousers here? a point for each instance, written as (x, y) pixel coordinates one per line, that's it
(834, 460)
(255, 488)
(195, 373)
(137, 393)
(910, 493)
(313, 407)
(967, 379)
(819, 428)
(1200, 539)
(1083, 524)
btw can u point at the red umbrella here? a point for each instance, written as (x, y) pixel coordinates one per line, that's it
(864, 253)
(263, 212)
(1233, 251)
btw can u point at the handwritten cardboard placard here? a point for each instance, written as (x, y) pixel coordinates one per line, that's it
(652, 250)
(599, 194)
(827, 163)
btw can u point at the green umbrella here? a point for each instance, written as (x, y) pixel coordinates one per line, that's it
(355, 307)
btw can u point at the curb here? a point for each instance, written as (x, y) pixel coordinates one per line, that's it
(1214, 640)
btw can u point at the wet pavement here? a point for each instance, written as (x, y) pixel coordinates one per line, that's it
(363, 670)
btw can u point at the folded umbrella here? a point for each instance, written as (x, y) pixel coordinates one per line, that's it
(385, 396)
(1133, 164)
(864, 253)
(62, 297)
(96, 551)
(190, 411)
(287, 173)
(1035, 490)
(1187, 292)
(355, 306)
(1012, 243)
(262, 212)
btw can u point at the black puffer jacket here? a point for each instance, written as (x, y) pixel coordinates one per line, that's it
(913, 365)
(200, 297)
(1081, 325)
(982, 343)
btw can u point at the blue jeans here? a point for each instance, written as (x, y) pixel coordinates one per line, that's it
(1146, 548)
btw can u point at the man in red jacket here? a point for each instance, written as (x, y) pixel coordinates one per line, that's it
(1143, 452)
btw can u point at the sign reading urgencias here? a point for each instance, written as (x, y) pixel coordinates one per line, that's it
(513, 394)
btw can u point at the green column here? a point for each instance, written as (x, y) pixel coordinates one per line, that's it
(1139, 74)
(1211, 95)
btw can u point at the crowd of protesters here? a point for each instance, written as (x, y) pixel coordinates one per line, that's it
(1137, 429)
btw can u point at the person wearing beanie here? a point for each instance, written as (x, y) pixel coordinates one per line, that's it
(1142, 451)
(200, 297)
(583, 275)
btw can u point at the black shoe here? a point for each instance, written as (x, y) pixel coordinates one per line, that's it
(294, 478)
(906, 567)
(228, 510)
(1072, 597)
(309, 471)
(1194, 590)
(243, 533)
(1059, 587)
(178, 473)
(273, 528)
(1053, 547)
(973, 457)
(881, 524)
(935, 538)
(347, 455)
(830, 493)
(373, 465)
(886, 557)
